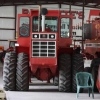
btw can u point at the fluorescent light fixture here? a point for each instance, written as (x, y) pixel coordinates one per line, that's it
(92, 4)
(79, 3)
(67, 2)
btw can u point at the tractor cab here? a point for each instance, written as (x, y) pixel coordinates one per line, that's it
(51, 24)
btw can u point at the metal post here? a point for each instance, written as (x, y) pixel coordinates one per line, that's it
(16, 34)
(70, 8)
(59, 5)
(43, 23)
(70, 25)
(83, 28)
(39, 19)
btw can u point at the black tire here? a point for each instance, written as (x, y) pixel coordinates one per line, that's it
(64, 73)
(22, 72)
(56, 81)
(77, 66)
(9, 72)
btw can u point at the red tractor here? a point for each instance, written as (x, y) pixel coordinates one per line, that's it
(43, 49)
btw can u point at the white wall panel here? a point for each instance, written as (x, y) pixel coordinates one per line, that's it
(52, 6)
(7, 11)
(75, 7)
(7, 34)
(5, 44)
(7, 23)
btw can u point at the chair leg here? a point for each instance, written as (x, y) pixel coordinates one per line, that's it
(78, 90)
(92, 94)
(89, 91)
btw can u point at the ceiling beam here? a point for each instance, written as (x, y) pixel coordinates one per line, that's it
(40, 2)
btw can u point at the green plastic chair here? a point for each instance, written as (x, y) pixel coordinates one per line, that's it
(84, 80)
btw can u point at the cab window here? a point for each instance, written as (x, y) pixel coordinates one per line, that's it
(50, 22)
(65, 24)
(24, 27)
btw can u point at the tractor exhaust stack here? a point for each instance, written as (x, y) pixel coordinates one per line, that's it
(44, 11)
(43, 23)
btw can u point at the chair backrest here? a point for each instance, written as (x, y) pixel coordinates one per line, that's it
(82, 78)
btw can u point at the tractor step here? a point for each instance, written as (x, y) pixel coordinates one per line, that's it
(2, 94)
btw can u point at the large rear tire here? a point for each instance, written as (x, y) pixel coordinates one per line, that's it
(22, 72)
(77, 66)
(9, 72)
(65, 73)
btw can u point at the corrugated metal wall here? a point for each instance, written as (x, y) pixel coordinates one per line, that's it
(7, 25)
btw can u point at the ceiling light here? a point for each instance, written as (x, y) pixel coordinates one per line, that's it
(92, 4)
(79, 3)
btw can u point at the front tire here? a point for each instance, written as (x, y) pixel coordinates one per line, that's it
(22, 72)
(9, 72)
(65, 73)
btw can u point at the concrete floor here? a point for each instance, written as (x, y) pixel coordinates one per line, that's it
(41, 91)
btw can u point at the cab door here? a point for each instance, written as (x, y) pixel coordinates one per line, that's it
(23, 30)
(65, 29)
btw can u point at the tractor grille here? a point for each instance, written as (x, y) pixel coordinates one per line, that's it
(43, 49)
